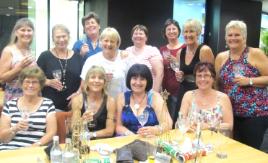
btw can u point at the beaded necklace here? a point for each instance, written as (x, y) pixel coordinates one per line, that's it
(63, 67)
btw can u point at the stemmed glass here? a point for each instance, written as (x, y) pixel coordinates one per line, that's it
(223, 130)
(143, 118)
(175, 66)
(166, 54)
(183, 124)
(91, 110)
(57, 74)
(238, 70)
(25, 115)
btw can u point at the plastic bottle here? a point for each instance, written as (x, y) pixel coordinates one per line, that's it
(68, 155)
(56, 152)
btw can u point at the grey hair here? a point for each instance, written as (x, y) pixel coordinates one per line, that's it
(193, 24)
(237, 24)
(60, 27)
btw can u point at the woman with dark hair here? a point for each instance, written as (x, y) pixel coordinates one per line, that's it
(141, 100)
(205, 99)
(171, 32)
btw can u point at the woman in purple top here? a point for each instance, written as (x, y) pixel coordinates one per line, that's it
(242, 73)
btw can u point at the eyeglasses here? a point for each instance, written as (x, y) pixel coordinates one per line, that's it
(206, 76)
(28, 82)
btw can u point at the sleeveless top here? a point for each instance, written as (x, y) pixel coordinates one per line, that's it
(206, 113)
(189, 69)
(128, 118)
(247, 101)
(100, 116)
(13, 88)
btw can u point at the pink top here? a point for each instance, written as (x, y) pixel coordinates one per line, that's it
(147, 56)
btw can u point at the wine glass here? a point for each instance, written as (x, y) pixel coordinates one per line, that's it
(166, 54)
(143, 118)
(183, 124)
(25, 115)
(91, 110)
(175, 66)
(238, 70)
(57, 74)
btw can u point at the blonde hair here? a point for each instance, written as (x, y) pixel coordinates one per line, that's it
(95, 70)
(193, 24)
(19, 24)
(237, 24)
(111, 33)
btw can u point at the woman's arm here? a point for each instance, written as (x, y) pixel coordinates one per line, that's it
(6, 131)
(220, 59)
(7, 72)
(120, 129)
(110, 120)
(186, 103)
(158, 71)
(227, 111)
(51, 129)
(206, 54)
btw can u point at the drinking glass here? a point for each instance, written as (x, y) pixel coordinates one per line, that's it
(143, 118)
(91, 110)
(57, 74)
(183, 124)
(166, 54)
(223, 132)
(25, 115)
(238, 70)
(175, 66)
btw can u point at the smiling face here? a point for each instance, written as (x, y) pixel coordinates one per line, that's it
(138, 84)
(31, 86)
(24, 34)
(139, 37)
(204, 79)
(190, 35)
(96, 82)
(234, 38)
(60, 38)
(91, 27)
(172, 32)
(109, 44)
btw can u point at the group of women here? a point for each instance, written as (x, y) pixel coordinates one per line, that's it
(121, 87)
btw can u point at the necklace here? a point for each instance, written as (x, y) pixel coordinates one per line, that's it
(63, 68)
(137, 103)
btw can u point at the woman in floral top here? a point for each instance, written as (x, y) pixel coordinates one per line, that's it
(243, 74)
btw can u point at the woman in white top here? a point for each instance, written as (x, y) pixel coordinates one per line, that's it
(147, 54)
(16, 56)
(114, 61)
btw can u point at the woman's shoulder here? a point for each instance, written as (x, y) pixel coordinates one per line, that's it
(221, 95)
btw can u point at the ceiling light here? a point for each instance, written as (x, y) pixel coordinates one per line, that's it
(10, 8)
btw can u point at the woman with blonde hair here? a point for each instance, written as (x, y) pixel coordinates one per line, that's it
(16, 56)
(95, 105)
(114, 61)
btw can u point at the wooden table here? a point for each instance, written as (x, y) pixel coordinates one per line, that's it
(236, 151)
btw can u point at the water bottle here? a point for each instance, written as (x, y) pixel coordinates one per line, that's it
(55, 152)
(68, 155)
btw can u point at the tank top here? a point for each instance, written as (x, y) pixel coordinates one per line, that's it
(128, 118)
(247, 101)
(205, 114)
(100, 116)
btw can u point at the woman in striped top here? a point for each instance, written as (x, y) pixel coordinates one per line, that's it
(29, 120)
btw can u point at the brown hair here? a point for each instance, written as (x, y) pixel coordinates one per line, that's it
(33, 72)
(141, 28)
(203, 66)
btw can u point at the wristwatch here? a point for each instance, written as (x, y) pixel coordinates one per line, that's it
(94, 135)
(250, 82)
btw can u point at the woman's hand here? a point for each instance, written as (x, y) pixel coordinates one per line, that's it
(84, 49)
(241, 81)
(54, 83)
(26, 61)
(22, 125)
(148, 131)
(88, 116)
(179, 75)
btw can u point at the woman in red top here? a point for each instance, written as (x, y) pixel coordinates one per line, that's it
(171, 32)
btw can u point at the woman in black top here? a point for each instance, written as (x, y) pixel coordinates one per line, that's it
(65, 61)
(95, 105)
(190, 55)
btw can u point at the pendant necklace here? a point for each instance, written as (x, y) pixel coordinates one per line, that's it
(63, 68)
(138, 104)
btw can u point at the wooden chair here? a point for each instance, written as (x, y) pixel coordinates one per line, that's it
(61, 129)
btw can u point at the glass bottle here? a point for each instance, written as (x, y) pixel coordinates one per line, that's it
(68, 155)
(56, 152)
